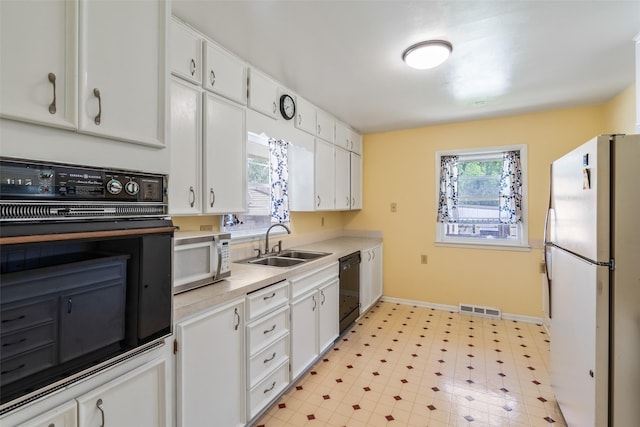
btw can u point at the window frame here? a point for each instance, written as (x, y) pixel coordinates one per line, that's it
(522, 243)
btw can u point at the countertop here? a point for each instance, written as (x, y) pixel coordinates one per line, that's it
(248, 278)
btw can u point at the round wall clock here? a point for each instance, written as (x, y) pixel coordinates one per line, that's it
(287, 107)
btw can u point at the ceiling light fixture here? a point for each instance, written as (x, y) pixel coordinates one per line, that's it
(427, 54)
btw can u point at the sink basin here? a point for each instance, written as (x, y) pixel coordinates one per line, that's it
(275, 261)
(302, 254)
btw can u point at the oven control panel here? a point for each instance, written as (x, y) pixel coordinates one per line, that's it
(25, 180)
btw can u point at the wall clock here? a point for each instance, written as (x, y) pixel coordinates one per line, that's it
(287, 107)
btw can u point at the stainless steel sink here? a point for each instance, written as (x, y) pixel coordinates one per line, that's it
(302, 254)
(286, 258)
(276, 261)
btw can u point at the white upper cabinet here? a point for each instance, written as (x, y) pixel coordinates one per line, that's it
(325, 126)
(38, 70)
(356, 142)
(185, 193)
(356, 181)
(122, 70)
(343, 136)
(263, 93)
(186, 52)
(305, 116)
(224, 74)
(224, 156)
(343, 179)
(324, 176)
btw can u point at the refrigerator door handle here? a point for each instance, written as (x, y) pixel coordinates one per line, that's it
(547, 244)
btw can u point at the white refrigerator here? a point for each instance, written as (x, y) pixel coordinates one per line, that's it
(592, 252)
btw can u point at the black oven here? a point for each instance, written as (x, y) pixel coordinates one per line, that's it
(86, 258)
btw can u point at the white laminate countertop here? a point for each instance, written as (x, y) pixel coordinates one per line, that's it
(247, 278)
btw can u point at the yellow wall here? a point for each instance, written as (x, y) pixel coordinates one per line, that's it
(620, 112)
(400, 167)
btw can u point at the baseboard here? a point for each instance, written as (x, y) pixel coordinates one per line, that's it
(455, 309)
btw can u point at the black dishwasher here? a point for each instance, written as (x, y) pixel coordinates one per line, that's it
(349, 290)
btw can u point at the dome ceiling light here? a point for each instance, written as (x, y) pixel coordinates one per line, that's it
(427, 54)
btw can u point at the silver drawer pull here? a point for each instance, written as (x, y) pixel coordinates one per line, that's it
(270, 388)
(270, 330)
(99, 406)
(52, 106)
(273, 294)
(273, 356)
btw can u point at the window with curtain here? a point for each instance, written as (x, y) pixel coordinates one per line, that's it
(267, 188)
(481, 196)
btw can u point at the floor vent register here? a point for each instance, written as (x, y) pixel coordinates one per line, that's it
(476, 310)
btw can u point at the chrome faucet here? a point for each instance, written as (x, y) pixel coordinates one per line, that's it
(266, 243)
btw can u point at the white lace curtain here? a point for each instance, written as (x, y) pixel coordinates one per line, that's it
(279, 180)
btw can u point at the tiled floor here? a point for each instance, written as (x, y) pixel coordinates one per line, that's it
(411, 366)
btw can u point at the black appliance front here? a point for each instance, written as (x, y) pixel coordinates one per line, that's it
(85, 281)
(349, 305)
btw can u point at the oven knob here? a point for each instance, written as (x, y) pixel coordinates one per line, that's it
(132, 188)
(114, 186)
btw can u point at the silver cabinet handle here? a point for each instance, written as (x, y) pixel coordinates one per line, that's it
(96, 93)
(324, 298)
(212, 197)
(274, 107)
(353, 201)
(373, 254)
(266, 331)
(273, 356)
(315, 303)
(99, 406)
(237, 315)
(273, 294)
(52, 106)
(319, 130)
(270, 388)
(347, 201)
(318, 201)
(212, 77)
(299, 119)
(193, 66)
(369, 253)
(192, 196)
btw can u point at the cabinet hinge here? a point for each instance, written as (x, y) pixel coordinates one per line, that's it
(175, 346)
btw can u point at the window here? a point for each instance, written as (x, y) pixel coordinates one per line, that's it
(482, 196)
(267, 181)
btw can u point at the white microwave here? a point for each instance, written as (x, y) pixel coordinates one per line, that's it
(200, 259)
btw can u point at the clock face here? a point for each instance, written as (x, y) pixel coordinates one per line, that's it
(287, 107)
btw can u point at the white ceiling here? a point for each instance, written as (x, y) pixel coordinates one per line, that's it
(509, 57)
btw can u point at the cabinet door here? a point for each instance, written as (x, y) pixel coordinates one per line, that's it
(38, 71)
(365, 280)
(185, 194)
(324, 176)
(306, 116)
(325, 126)
(263, 94)
(138, 398)
(225, 158)
(186, 52)
(343, 136)
(328, 318)
(62, 416)
(122, 88)
(343, 179)
(224, 74)
(210, 374)
(356, 142)
(304, 332)
(302, 176)
(376, 273)
(356, 181)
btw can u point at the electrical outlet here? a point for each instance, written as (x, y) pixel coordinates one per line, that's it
(423, 259)
(394, 207)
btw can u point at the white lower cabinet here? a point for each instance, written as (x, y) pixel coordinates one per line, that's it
(370, 277)
(210, 368)
(136, 399)
(62, 416)
(314, 316)
(267, 345)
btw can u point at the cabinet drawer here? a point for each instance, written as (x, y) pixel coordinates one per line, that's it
(26, 339)
(265, 300)
(268, 389)
(268, 330)
(305, 282)
(267, 360)
(28, 363)
(27, 315)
